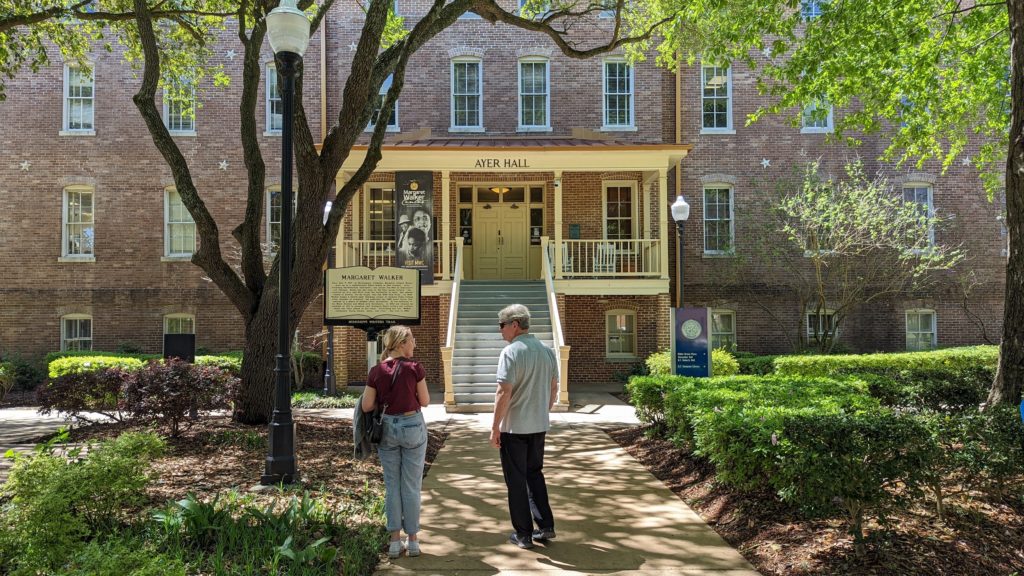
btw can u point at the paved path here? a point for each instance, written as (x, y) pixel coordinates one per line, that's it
(17, 427)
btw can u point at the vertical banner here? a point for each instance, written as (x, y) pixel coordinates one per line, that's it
(414, 231)
(691, 341)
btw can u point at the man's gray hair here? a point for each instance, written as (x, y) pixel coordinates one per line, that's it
(517, 313)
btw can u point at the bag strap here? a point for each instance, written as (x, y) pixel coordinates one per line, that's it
(394, 377)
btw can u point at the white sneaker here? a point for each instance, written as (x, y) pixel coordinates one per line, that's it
(395, 549)
(414, 548)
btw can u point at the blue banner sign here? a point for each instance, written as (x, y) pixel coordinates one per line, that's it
(691, 341)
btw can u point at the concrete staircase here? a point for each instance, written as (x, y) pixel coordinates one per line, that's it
(478, 341)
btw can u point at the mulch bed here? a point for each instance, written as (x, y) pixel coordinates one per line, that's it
(216, 454)
(977, 537)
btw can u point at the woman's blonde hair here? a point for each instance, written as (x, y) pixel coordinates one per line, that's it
(393, 338)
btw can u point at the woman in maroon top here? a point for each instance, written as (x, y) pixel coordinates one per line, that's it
(398, 383)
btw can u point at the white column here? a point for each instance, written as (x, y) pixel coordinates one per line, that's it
(446, 226)
(663, 220)
(558, 224)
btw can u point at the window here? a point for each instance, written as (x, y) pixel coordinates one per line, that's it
(79, 232)
(618, 204)
(921, 330)
(818, 323)
(275, 107)
(180, 109)
(610, 7)
(79, 87)
(533, 95)
(810, 9)
(467, 99)
(618, 94)
(379, 105)
(723, 329)
(380, 219)
(179, 228)
(75, 332)
(718, 221)
(179, 324)
(816, 118)
(620, 333)
(921, 194)
(716, 98)
(274, 216)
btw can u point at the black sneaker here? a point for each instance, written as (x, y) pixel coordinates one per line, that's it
(544, 534)
(524, 542)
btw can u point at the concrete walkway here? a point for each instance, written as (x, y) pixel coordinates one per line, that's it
(611, 515)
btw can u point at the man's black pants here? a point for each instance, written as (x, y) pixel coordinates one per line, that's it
(522, 462)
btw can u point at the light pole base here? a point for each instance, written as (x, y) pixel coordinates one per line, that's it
(280, 464)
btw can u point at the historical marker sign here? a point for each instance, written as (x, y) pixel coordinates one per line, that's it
(363, 297)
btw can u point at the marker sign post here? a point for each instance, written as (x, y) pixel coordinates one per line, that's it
(691, 342)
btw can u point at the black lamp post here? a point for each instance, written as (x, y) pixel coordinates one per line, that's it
(288, 29)
(680, 212)
(329, 387)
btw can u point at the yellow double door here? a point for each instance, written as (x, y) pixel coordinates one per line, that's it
(500, 241)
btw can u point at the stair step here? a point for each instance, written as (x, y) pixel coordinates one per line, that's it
(475, 397)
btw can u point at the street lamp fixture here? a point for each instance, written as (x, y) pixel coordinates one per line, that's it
(329, 387)
(288, 30)
(680, 212)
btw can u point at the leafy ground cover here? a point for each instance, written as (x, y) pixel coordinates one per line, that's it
(979, 535)
(203, 511)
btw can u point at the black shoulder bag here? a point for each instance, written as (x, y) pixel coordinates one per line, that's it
(377, 423)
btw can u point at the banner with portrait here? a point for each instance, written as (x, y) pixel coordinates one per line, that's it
(414, 223)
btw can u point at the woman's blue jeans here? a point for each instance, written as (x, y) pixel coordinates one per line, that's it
(402, 453)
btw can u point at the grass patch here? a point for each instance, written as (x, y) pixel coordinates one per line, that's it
(308, 399)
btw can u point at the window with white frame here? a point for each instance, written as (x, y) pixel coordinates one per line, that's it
(79, 99)
(618, 94)
(179, 324)
(816, 118)
(718, 220)
(534, 95)
(620, 333)
(75, 332)
(619, 212)
(467, 94)
(275, 107)
(380, 215)
(820, 323)
(921, 194)
(810, 9)
(79, 229)
(180, 109)
(723, 329)
(179, 227)
(921, 330)
(379, 105)
(716, 98)
(274, 214)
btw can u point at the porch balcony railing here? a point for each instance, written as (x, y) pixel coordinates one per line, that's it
(377, 253)
(589, 259)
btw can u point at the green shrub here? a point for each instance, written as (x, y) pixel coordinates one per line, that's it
(318, 400)
(28, 373)
(119, 556)
(90, 363)
(231, 362)
(57, 500)
(722, 363)
(76, 393)
(6, 378)
(165, 392)
(991, 450)
(757, 365)
(647, 395)
(76, 353)
(307, 368)
(953, 379)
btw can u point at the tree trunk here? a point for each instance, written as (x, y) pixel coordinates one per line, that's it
(255, 401)
(1010, 373)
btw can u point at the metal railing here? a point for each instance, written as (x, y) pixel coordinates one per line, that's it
(377, 253)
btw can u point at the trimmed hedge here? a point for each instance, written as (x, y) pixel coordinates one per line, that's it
(722, 363)
(91, 363)
(953, 379)
(759, 365)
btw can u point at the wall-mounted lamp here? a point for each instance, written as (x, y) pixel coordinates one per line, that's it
(498, 189)
(558, 182)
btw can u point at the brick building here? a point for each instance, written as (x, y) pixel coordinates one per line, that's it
(539, 163)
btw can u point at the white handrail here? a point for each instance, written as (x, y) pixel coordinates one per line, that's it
(556, 320)
(453, 308)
